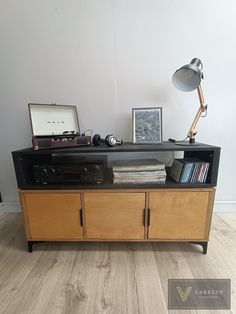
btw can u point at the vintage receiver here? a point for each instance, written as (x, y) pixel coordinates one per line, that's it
(68, 173)
(56, 126)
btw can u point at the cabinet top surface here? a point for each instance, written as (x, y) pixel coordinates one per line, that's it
(125, 147)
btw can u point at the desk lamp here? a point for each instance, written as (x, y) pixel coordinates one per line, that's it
(187, 79)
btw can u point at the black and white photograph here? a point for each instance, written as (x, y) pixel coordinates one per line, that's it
(147, 125)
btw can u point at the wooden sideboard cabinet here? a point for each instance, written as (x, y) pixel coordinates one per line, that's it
(116, 212)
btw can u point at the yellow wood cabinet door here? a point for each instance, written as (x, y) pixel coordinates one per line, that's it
(53, 215)
(179, 215)
(114, 215)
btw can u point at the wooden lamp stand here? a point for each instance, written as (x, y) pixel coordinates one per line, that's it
(202, 109)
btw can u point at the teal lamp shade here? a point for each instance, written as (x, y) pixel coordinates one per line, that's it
(189, 76)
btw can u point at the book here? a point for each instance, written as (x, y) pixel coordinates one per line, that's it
(186, 172)
(181, 169)
(195, 171)
(138, 165)
(206, 171)
(202, 175)
(176, 170)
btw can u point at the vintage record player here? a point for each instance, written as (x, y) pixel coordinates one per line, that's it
(56, 126)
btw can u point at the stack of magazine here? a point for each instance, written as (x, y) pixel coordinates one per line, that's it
(139, 171)
(187, 170)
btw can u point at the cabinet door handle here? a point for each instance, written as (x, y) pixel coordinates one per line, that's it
(144, 217)
(81, 217)
(149, 216)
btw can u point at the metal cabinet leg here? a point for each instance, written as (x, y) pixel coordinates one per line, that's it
(30, 245)
(203, 244)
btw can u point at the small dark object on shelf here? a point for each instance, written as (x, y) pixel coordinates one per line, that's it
(110, 140)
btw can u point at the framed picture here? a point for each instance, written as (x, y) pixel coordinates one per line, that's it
(147, 125)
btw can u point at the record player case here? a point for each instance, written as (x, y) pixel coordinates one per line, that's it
(55, 126)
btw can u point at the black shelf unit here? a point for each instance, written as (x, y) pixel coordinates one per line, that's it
(25, 158)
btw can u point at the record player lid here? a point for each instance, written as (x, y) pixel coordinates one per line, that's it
(53, 119)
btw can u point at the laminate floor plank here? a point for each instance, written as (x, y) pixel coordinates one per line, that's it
(15, 262)
(86, 280)
(229, 220)
(29, 289)
(171, 264)
(220, 261)
(100, 277)
(147, 281)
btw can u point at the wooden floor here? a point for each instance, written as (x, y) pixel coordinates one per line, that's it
(87, 278)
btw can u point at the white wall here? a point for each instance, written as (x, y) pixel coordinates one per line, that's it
(108, 56)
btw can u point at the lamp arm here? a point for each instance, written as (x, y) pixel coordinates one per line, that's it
(203, 107)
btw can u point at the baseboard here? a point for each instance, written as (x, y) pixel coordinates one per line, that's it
(225, 207)
(10, 207)
(219, 207)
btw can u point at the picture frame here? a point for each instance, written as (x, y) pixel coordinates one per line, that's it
(147, 125)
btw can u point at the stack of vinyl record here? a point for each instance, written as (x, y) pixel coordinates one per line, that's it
(189, 170)
(139, 171)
